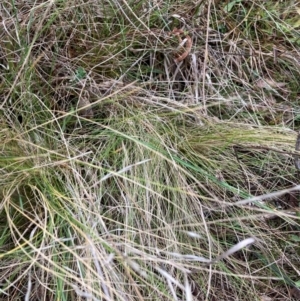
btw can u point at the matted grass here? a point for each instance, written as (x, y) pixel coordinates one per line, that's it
(128, 176)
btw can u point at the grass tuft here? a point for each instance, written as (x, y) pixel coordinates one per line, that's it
(128, 173)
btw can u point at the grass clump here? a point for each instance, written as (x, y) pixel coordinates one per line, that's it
(130, 174)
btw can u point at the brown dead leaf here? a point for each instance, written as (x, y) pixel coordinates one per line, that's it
(269, 84)
(265, 298)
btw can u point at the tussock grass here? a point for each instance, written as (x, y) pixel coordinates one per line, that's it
(127, 176)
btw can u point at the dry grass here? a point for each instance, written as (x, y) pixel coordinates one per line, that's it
(127, 175)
